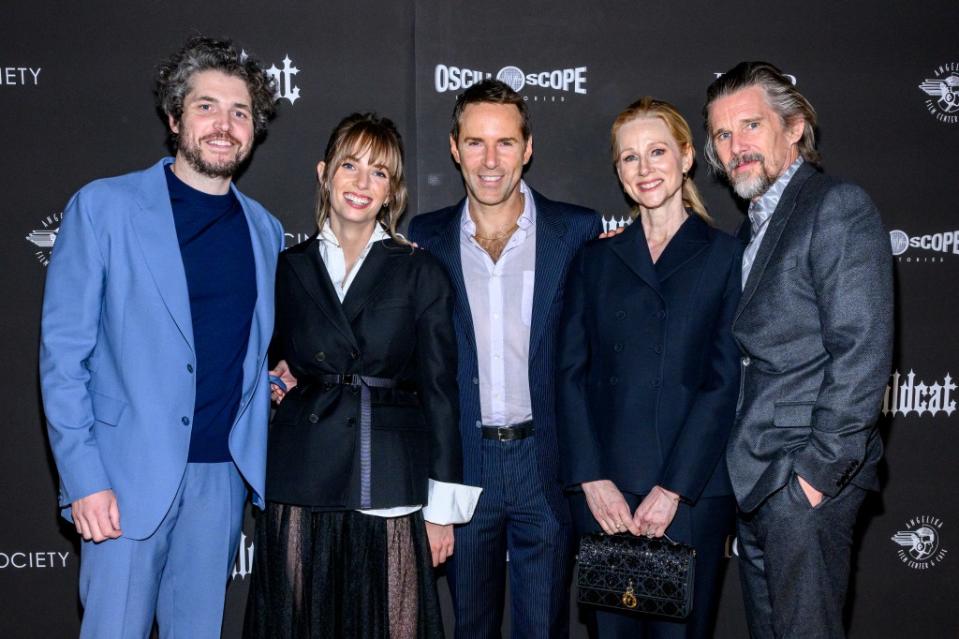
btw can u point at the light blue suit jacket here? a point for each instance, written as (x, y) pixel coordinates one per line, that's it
(117, 358)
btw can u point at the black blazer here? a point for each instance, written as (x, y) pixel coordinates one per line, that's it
(815, 328)
(648, 369)
(395, 322)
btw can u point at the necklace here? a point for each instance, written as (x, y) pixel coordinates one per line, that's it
(498, 236)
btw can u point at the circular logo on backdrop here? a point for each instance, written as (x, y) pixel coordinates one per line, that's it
(513, 76)
(899, 240)
(920, 543)
(43, 238)
(943, 91)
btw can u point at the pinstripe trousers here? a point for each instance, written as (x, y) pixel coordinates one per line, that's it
(512, 516)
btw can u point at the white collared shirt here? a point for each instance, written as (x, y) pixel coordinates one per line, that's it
(447, 503)
(501, 302)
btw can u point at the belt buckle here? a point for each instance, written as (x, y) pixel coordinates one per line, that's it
(503, 433)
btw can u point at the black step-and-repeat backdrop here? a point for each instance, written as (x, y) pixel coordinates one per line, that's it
(76, 104)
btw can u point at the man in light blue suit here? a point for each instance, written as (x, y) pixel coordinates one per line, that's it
(157, 315)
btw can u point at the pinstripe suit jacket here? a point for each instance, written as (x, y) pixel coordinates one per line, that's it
(561, 229)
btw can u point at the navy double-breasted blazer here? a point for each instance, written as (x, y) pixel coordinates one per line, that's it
(648, 368)
(561, 229)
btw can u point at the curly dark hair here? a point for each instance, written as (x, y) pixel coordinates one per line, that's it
(208, 54)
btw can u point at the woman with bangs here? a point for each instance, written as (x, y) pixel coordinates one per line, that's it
(364, 458)
(649, 370)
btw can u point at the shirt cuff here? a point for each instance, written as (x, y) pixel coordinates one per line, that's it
(450, 503)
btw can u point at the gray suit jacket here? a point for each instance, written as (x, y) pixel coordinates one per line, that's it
(815, 329)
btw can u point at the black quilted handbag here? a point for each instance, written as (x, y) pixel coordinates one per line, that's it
(641, 574)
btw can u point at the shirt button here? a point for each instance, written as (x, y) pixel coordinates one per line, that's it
(620, 314)
(320, 356)
(189, 368)
(618, 348)
(746, 361)
(185, 420)
(613, 380)
(313, 418)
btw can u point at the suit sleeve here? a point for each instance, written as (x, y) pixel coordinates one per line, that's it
(436, 370)
(413, 231)
(851, 267)
(702, 441)
(579, 451)
(72, 301)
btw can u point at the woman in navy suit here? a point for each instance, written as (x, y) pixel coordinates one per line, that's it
(649, 372)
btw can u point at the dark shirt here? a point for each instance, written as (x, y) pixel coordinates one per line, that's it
(221, 279)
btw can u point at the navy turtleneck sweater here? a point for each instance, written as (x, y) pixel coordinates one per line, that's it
(221, 279)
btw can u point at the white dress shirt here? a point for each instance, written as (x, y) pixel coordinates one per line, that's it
(501, 302)
(447, 503)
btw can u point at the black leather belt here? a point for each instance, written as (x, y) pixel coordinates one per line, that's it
(509, 433)
(364, 382)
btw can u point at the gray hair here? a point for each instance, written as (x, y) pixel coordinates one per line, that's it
(207, 54)
(781, 95)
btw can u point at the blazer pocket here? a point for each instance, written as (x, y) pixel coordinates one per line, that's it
(398, 417)
(787, 264)
(793, 414)
(107, 410)
(392, 302)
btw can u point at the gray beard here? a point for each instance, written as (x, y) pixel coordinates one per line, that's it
(753, 187)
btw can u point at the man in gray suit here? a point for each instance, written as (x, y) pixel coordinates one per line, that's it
(815, 329)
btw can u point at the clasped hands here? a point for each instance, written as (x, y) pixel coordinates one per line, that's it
(609, 508)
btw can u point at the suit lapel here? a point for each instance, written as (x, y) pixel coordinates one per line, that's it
(160, 247)
(312, 273)
(632, 249)
(691, 239)
(447, 250)
(264, 261)
(552, 254)
(374, 273)
(777, 222)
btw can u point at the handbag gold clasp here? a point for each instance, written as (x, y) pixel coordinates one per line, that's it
(629, 598)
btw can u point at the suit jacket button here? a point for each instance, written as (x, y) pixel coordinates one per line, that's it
(654, 383)
(313, 418)
(661, 315)
(476, 380)
(618, 347)
(746, 361)
(354, 354)
(658, 348)
(320, 356)
(613, 380)
(620, 314)
(351, 422)
(185, 420)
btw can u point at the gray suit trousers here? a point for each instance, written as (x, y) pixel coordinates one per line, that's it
(794, 563)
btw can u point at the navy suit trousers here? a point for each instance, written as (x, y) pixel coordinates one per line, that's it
(512, 516)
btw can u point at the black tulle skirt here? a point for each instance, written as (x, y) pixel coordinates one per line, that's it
(340, 575)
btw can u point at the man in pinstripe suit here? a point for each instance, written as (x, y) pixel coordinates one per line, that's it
(506, 249)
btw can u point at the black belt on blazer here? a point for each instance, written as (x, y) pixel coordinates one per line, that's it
(365, 383)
